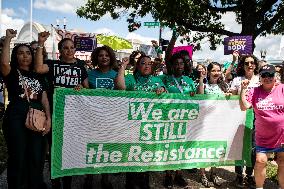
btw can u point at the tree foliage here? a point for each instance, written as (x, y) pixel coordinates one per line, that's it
(197, 18)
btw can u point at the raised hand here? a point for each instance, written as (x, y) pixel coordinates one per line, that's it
(10, 33)
(244, 84)
(42, 37)
(160, 90)
(125, 62)
(202, 75)
(235, 56)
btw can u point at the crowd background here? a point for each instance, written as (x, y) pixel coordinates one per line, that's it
(138, 72)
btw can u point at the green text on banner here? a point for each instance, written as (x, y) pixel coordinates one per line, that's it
(104, 131)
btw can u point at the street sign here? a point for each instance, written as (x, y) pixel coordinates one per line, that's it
(151, 24)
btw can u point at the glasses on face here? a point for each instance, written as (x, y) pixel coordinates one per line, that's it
(249, 62)
(266, 75)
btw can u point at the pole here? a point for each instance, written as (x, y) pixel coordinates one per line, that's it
(31, 22)
(53, 43)
(160, 34)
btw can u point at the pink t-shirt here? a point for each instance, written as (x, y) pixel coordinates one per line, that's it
(269, 115)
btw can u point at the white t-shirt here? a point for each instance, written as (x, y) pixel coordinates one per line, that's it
(212, 89)
(236, 84)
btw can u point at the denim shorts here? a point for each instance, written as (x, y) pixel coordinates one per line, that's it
(260, 149)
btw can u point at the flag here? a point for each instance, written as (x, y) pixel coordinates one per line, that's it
(116, 43)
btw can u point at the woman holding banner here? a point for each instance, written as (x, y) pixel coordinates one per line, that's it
(26, 147)
(267, 101)
(102, 77)
(141, 80)
(103, 59)
(215, 85)
(247, 69)
(177, 83)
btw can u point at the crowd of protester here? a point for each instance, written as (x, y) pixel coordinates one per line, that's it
(255, 81)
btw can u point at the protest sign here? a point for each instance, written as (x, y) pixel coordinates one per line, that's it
(84, 44)
(242, 44)
(107, 131)
(186, 48)
(148, 50)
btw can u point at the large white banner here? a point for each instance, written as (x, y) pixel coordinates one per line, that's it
(102, 131)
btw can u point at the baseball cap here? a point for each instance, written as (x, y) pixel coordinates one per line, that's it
(267, 69)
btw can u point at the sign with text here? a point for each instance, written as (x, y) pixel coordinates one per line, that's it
(107, 131)
(84, 44)
(151, 24)
(242, 44)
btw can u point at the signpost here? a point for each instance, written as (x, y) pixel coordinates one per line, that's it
(154, 24)
(151, 24)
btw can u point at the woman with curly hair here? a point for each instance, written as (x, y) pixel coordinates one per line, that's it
(102, 77)
(247, 69)
(103, 59)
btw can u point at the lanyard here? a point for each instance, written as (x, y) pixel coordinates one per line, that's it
(177, 84)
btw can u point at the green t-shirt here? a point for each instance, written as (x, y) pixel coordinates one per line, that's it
(182, 84)
(142, 83)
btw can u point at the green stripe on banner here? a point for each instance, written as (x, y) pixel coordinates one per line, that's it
(108, 131)
(247, 147)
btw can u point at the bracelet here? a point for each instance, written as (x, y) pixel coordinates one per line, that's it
(39, 47)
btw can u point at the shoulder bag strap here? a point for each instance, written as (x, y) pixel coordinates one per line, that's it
(24, 85)
(178, 85)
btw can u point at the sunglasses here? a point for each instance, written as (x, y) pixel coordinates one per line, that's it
(249, 62)
(266, 75)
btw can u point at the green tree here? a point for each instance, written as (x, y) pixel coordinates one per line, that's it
(197, 18)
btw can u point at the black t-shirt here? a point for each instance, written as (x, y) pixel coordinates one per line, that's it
(1, 90)
(1, 84)
(35, 85)
(66, 75)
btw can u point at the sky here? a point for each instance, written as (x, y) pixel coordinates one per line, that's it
(15, 13)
